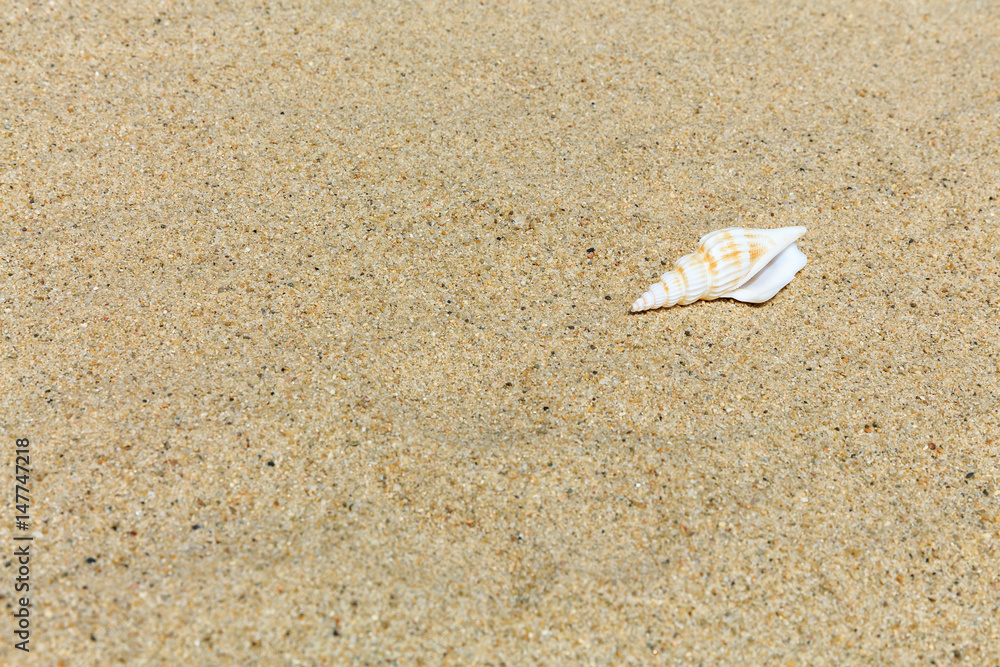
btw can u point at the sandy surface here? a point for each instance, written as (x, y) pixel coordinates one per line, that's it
(300, 318)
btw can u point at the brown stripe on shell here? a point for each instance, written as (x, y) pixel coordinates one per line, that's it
(735, 255)
(757, 251)
(708, 258)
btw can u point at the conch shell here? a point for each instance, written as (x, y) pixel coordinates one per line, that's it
(749, 265)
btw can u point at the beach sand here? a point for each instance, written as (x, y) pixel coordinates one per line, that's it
(315, 317)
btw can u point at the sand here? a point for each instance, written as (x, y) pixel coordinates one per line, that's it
(314, 315)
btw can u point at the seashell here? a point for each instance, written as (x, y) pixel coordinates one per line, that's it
(750, 265)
